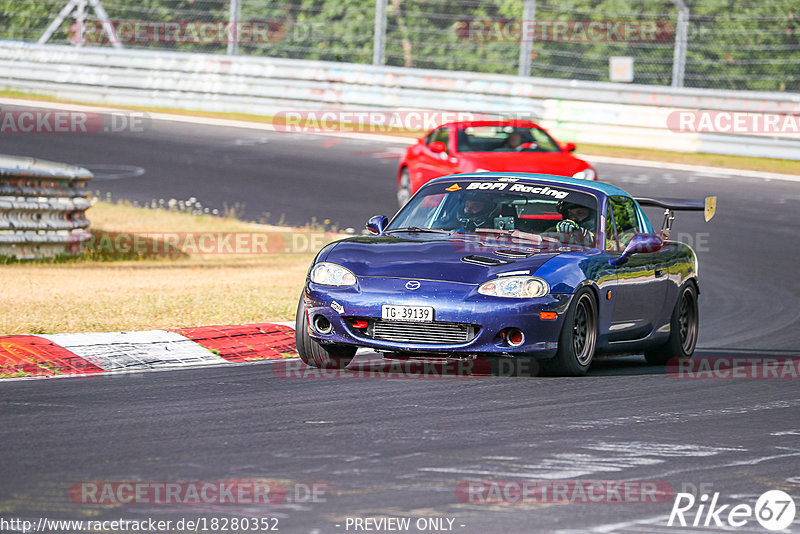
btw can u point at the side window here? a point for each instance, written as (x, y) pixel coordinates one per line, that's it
(625, 219)
(424, 212)
(612, 240)
(442, 134)
(543, 141)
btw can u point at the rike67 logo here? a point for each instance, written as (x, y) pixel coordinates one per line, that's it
(774, 510)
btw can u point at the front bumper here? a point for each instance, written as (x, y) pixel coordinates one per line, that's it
(453, 303)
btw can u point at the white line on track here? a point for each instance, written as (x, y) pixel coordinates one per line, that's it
(590, 459)
(675, 417)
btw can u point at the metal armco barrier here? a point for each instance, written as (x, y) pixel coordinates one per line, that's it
(590, 112)
(42, 208)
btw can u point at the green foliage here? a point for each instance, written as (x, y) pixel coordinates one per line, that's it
(26, 20)
(731, 45)
(752, 46)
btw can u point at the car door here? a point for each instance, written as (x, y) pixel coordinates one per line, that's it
(641, 281)
(434, 164)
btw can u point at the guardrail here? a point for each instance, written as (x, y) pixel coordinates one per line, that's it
(42, 208)
(591, 112)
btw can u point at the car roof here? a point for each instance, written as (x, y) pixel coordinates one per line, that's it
(582, 185)
(520, 123)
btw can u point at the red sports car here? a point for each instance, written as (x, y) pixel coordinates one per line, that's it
(482, 146)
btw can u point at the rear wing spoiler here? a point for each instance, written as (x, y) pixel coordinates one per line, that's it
(707, 205)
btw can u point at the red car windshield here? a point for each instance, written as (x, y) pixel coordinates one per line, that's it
(504, 139)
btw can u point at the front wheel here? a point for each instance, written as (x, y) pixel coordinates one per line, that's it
(578, 339)
(683, 329)
(314, 353)
(404, 189)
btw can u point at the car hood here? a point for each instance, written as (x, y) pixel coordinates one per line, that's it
(557, 163)
(467, 260)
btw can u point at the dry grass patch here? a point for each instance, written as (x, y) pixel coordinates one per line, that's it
(89, 296)
(780, 166)
(122, 217)
(94, 294)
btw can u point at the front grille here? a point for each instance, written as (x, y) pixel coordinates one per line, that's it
(424, 333)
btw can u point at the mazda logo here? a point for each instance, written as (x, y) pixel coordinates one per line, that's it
(412, 285)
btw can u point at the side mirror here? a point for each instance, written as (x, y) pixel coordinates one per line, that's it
(569, 147)
(377, 224)
(639, 243)
(438, 147)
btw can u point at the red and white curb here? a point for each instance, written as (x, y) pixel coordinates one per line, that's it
(41, 356)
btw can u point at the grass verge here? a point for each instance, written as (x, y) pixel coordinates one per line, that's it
(781, 166)
(109, 291)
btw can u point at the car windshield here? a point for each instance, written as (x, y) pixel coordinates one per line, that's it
(534, 212)
(504, 139)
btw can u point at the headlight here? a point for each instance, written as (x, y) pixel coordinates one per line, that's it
(585, 174)
(330, 274)
(515, 287)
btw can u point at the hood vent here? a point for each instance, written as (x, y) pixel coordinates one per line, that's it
(485, 261)
(515, 254)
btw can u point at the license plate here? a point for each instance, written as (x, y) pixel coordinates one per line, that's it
(422, 314)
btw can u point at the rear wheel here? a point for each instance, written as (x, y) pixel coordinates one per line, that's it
(683, 329)
(578, 339)
(314, 353)
(404, 189)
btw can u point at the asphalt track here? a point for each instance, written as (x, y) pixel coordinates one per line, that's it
(399, 447)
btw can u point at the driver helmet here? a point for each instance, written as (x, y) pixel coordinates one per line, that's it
(476, 210)
(587, 223)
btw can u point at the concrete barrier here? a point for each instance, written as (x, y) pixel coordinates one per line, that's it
(588, 112)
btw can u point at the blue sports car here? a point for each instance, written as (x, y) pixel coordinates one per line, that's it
(506, 265)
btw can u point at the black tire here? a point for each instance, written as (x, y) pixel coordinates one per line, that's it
(315, 354)
(404, 189)
(683, 329)
(578, 339)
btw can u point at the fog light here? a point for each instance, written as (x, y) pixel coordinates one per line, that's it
(322, 325)
(515, 337)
